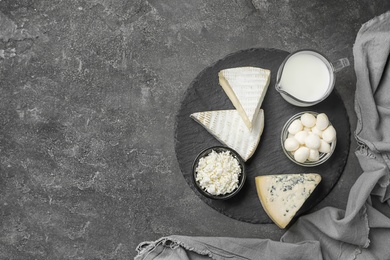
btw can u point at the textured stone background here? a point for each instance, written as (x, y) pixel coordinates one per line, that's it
(89, 91)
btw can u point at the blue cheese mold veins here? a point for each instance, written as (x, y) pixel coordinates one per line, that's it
(282, 195)
(289, 184)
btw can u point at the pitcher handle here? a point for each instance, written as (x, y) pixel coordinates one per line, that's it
(340, 64)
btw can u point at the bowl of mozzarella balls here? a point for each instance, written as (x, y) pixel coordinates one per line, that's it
(308, 138)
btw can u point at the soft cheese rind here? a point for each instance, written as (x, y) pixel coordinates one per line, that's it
(228, 127)
(283, 195)
(246, 88)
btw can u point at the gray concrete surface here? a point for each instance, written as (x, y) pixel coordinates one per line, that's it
(89, 91)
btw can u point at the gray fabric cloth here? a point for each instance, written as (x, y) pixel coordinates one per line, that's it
(362, 230)
(219, 248)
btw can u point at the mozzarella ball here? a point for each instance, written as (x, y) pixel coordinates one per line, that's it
(302, 154)
(324, 147)
(308, 120)
(307, 129)
(329, 134)
(301, 136)
(291, 144)
(314, 155)
(312, 141)
(295, 127)
(316, 131)
(322, 121)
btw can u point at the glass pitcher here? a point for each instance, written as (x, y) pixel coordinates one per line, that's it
(306, 77)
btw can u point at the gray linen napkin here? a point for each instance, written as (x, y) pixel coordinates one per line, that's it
(219, 248)
(362, 230)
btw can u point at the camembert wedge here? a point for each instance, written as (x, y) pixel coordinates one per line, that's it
(283, 195)
(246, 88)
(228, 127)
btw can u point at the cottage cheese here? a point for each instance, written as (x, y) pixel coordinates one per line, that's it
(218, 173)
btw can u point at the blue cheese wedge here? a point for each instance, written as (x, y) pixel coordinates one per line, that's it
(283, 195)
(246, 88)
(228, 127)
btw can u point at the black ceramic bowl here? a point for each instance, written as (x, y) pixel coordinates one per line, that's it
(241, 177)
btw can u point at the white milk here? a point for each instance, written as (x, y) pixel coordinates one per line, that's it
(305, 77)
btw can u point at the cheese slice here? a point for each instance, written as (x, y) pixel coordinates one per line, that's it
(246, 88)
(283, 195)
(228, 127)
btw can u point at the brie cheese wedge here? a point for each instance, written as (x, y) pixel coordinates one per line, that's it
(228, 127)
(283, 195)
(246, 88)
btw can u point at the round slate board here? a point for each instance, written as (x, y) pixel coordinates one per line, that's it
(205, 94)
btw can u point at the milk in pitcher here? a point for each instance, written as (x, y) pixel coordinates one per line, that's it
(306, 77)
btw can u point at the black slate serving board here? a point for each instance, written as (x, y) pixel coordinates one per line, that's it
(205, 94)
